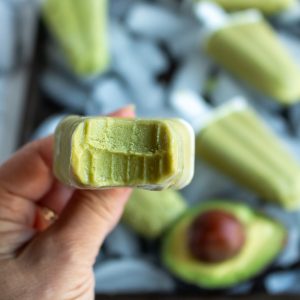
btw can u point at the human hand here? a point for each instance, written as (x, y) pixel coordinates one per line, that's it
(40, 260)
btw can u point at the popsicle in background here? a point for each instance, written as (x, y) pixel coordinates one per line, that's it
(245, 44)
(151, 213)
(235, 141)
(80, 28)
(266, 6)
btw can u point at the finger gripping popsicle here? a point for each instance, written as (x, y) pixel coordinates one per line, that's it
(107, 152)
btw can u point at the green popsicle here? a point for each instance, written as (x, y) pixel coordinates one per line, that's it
(241, 146)
(80, 27)
(107, 152)
(252, 51)
(151, 213)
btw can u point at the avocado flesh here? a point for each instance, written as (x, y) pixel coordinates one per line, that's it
(112, 152)
(252, 52)
(80, 28)
(241, 146)
(266, 6)
(149, 213)
(264, 241)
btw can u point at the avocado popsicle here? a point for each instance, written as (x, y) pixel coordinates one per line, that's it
(103, 152)
(80, 28)
(266, 6)
(151, 213)
(236, 142)
(245, 44)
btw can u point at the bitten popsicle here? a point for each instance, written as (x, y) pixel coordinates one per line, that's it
(104, 152)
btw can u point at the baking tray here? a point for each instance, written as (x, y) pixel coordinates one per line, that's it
(38, 107)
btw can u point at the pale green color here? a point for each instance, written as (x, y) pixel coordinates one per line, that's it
(266, 6)
(264, 241)
(99, 152)
(242, 147)
(253, 52)
(150, 213)
(80, 26)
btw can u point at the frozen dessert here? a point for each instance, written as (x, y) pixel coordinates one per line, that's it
(245, 44)
(80, 28)
(103, 152)
(150, 213)
(237, 142)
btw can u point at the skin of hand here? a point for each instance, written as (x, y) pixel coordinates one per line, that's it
(39, 260)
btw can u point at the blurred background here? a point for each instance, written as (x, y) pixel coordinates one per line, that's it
(198, 60)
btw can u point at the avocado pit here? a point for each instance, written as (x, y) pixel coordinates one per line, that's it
(215, 236)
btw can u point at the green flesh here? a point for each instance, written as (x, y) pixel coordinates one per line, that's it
(266, 6)
(253, 53)
(242, 147)
(150, 213)
(80, 27)
(113, 152)
(264, 241)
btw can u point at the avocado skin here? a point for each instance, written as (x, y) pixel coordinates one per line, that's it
(233, 271)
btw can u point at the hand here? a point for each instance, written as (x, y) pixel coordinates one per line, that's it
(40, 260)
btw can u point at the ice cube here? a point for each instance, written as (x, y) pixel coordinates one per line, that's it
(64, 91)
(145, 91)
(131, 276)
(153, 57)
(8, 36)
(192, 74)
(122, 242)
(108, 95)
(119, 9)
(292, 44)
(294, 118)
(188, 40)
(225, 88)
(286, 282)
(3, 82)
(155, 21)
(47, 127)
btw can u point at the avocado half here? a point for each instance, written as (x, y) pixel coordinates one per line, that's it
(265, 239)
